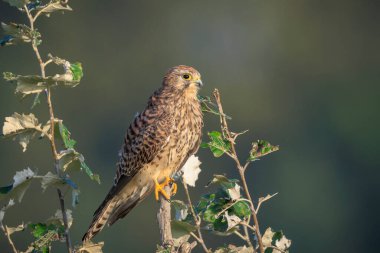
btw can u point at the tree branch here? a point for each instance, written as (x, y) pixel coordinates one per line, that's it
(227, 135)
(164, 218)
(52, 125)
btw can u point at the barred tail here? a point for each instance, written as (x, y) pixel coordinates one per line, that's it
(101, 217)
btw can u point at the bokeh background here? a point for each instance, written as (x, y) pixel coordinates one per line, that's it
(301, 74)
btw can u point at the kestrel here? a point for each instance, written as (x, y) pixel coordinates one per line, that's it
(158, 143)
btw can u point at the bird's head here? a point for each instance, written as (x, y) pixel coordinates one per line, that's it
(183, 78)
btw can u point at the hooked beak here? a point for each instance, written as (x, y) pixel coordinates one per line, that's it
(199, 83)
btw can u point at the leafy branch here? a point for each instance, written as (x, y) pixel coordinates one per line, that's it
(225, 211)
(24, 127)
(231, 140)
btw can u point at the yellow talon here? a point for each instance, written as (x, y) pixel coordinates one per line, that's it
(159, 188)
(174, 189)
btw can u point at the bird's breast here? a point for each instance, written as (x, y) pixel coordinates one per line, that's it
(185, 136)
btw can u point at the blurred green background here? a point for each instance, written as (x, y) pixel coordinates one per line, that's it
(301, 74)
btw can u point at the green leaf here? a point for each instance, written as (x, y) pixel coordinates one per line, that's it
(89, 172)
(180, 228)
(223, 181)
(261, 148)
(73, 71)
(209, 215)
(72, 160)
(22, 128)
(204, 202)
(21, 182)
(65, 134)
(220, 225)
(17, 3)
(38, 229)
(241, 209)
(45, 234)
(204, 145)
(217, 145)
(76, 69)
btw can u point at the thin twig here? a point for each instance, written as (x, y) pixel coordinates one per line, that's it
(65, 222)
(196, 219)
(48, 62)
(248, 240)
(263, 200)
(6, 232)
(227, 135)
(52, 131)
(52, 126)
(196, 237)
(240, 235)
(246, 224)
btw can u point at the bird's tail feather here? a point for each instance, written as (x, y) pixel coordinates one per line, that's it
(101, 216)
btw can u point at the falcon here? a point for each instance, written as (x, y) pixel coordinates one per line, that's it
(157, 144)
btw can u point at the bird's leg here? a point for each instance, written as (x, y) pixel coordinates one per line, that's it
(159, 188)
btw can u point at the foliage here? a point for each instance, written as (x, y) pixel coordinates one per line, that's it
(25, 127)
(228, 208)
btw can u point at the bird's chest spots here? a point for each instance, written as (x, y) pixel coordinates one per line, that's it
(188, 124)
(184, 136)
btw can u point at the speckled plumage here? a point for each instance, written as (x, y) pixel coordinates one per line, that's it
(158, 142)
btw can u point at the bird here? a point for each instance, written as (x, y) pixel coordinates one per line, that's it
(156, 145)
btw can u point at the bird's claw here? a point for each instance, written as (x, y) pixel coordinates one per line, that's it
(159, 188)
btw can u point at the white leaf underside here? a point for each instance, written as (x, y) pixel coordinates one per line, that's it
(191, 170)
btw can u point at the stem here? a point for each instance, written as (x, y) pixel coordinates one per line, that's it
(197, 220)
(65, 222)
(227, 134)
(248, 226)
(5, 230)
(52, 124)
(164, 218)
(240, 235)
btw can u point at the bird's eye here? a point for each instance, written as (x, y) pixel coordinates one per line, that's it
(186, 76)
